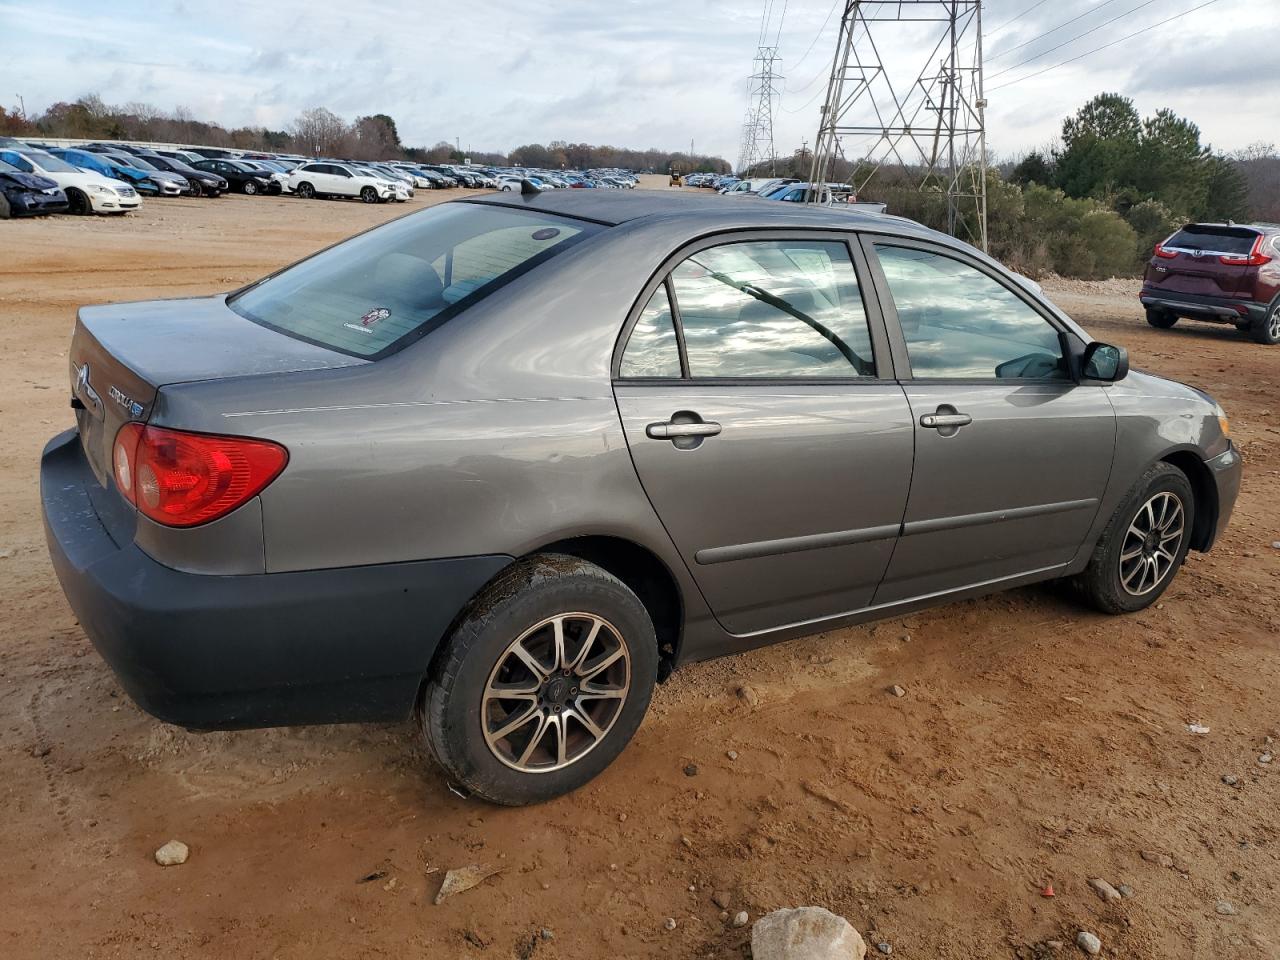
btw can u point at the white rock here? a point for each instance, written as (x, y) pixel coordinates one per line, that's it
(172, 853)
(1104, 890)
(1225, 908)
(669, 923)
(805, 933)
(1089, 943)
(740, 918)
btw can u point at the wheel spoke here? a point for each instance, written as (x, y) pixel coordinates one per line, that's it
(511, 726)
(587, 644)
(557, 649)
(584, 718)
(596, 668)
(534, 740)
(1131, 554)
(591, 692)
(530, 661)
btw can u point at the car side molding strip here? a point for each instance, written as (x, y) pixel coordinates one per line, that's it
(816, 541)
(840, 538)
(995, 516)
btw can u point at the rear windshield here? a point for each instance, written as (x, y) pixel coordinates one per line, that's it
(1212, 239)
(376, 293)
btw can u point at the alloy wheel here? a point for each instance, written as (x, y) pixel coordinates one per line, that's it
(555, 692)
(1273, 323)
(1150, 548)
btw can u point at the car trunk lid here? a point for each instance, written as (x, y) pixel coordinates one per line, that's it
(1191, 261)
(122, 354)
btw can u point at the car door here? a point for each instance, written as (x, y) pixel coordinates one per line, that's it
(1012, 455)
(757, 395)
(342, 181)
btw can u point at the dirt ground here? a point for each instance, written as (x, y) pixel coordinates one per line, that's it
(1037, 743)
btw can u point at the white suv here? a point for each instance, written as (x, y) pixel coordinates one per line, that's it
(87, 191)
(325, 179)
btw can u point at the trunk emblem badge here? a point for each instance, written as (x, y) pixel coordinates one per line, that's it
(128, 403)
(85, 389)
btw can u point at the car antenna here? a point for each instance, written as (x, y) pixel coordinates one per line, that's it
(527, 188)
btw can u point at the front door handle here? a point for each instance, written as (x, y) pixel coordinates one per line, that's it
(677, 431)
(943, 421)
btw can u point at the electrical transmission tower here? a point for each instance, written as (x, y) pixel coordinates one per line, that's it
(762, 91)
(929, 133)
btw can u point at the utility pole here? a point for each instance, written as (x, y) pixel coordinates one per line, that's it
(928, 128)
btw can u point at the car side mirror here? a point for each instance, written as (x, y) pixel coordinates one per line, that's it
(1104, 362)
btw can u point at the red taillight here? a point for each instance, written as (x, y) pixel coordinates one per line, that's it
(183, 479)
(1254, 258)
(1163, 253)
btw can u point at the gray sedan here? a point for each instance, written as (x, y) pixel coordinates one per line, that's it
(510, 460)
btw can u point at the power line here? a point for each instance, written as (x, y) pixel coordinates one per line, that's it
(1105, 46)
(1078, 36)
(995, 30)
(1065, 23)
(818, 35)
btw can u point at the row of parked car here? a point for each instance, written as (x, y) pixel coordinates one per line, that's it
(786, 189)
(38, 178)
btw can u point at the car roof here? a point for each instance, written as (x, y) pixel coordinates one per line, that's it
(612, 208)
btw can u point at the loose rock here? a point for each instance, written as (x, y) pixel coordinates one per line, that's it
(669, 923)
(1089, 943)
(885, 948)
(740, 918)
(172, 853)
(1225, 908)
(691, 770)
(897, 691)
(805, 933)
(722, 899)
(1104, 890)
(1126, 891)
(732, 754)
(1230, 779)
(1153, 856)
(1265, 758)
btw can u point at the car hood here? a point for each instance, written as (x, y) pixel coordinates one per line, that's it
(1150, 385)
(31, 181)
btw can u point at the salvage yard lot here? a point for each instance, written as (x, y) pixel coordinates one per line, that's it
(1036, 743)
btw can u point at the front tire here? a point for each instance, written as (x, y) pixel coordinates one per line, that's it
(1267, 329)
(369, 195)
(249, 188)
(197, 189)
(78, 202)
(1144, 544)
(1161, 319)
(542, 683)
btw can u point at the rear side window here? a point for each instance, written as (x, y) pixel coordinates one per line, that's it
(758, 309)
(380, 291)
(1213, 239)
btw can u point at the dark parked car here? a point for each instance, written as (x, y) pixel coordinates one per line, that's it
(28, 194)
(511, 459)
(1223, 273)
(203, 183)
(240, 176)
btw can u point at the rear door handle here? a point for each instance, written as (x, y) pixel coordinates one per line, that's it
(676, 431)
(942, 421)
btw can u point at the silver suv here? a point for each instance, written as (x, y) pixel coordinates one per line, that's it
(510, 460)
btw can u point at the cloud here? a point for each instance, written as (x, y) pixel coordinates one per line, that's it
(630, 72)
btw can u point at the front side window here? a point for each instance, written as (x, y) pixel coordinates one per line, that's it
(773, 308)
(961, 324)
(381, 290)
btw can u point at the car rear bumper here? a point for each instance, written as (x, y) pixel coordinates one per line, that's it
(1200, 307)
(322, 646)
(1226, 469)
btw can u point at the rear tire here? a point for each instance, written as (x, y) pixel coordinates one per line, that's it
(1161, 319)
(1136, 558)
(197, 189)
(1266, 329)
(583, 696)
(5, 211)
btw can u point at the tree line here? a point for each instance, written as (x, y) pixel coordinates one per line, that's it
(320, 132)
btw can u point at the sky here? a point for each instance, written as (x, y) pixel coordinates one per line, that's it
(638, 74)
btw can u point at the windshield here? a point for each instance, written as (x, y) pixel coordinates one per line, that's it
(8, 168)
(135, 161)
(48, 161)
(379, 291)
(1236, 241)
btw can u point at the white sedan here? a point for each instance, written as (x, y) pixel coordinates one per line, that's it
(87, 191)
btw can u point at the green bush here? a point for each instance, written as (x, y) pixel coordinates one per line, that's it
(1152, 221)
